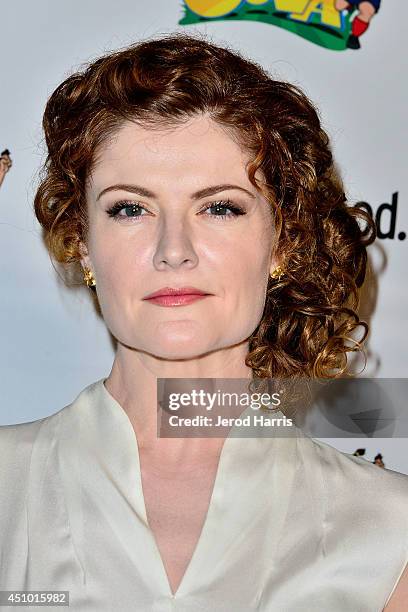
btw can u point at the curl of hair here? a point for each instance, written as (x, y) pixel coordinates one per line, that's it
(311, 313)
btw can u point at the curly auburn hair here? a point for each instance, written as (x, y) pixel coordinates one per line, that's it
(311, 312)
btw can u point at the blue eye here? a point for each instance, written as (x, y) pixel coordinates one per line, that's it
(133, 207)
(236, 210)
(116, 208)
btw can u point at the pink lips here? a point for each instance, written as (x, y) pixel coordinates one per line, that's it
(170, 296)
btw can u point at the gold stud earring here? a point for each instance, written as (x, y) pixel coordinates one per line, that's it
(89, 279)
(277, 273)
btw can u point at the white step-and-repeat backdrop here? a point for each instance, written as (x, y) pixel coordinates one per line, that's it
(350, 57)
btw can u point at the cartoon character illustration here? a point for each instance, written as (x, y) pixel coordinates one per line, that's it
(378, 460)
(359, 452)
(5, 164)
(367, 9)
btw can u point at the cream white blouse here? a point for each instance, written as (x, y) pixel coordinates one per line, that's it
(293, 525)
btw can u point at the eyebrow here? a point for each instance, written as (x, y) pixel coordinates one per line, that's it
(202, 193)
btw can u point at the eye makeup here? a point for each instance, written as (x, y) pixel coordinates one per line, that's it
(114, 210)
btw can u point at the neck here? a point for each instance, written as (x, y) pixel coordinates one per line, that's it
(134, 378)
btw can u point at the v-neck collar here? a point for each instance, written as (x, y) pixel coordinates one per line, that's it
(107, 437)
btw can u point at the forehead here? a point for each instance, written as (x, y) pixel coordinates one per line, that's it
(196, 151)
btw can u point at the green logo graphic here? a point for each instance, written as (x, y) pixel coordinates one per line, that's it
(333, 24)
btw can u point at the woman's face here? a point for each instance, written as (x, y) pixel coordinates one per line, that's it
(168, 236)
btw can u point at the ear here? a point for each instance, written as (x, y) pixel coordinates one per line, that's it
(85, 259)
(274, 264)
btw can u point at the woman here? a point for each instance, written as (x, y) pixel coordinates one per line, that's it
(177, 163)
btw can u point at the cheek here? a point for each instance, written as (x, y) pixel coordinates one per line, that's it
(118, 263)
(248, 286)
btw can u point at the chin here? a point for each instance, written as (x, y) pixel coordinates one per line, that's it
(179, 348)
(180, 355)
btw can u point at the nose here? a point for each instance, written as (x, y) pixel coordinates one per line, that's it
(174, 245)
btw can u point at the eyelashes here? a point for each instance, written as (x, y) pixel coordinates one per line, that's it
(114, 211)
